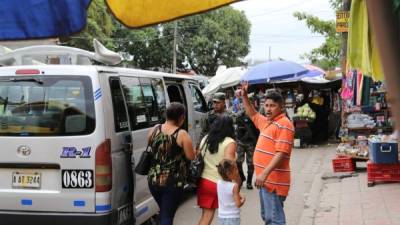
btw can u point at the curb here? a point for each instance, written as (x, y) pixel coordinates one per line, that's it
(311, 203)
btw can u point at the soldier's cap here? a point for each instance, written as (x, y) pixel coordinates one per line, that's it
(219, 96)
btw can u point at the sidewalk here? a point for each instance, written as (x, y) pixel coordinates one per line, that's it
(349, 201)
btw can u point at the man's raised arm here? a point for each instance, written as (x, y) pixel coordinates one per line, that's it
(250, 111)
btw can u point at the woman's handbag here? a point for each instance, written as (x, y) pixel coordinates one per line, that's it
(196, 167)
(144, 164)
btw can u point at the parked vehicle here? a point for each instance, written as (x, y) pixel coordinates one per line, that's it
(70, 135)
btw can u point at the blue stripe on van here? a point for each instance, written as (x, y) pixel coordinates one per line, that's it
(79, 203)
(141, 211)
(103, 207)
(26, 201)
(97, 91)
(97, 94)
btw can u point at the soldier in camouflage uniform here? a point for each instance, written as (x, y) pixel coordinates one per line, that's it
(246, 135)
(219, 108)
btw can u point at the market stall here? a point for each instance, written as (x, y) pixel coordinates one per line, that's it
(366, 113)
(313, 104)
(367, 132)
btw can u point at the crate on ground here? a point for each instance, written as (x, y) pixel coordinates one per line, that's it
(343, 164)
(382, 172)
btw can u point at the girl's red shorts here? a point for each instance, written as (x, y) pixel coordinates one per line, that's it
(207, 194)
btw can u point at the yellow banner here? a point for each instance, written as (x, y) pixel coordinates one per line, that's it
(139, 13)
(342, 21)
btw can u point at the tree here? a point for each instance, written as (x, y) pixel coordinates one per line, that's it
(204, 42)
(214, 38)
(100, 25)
(148, 47)
(327, 55)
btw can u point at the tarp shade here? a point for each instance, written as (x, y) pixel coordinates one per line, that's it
(139, 13)
(35, 19)
(224, 79)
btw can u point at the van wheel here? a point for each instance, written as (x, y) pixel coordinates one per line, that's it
(154, 220)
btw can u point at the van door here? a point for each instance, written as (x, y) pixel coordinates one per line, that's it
(200, 109)
(118, 131)
(146, 104)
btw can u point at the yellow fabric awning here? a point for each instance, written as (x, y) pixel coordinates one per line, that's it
(139, 13)
(362, 51)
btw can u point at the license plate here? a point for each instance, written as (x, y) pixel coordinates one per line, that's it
(25, 180)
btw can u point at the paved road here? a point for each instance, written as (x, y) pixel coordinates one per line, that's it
(307, 166)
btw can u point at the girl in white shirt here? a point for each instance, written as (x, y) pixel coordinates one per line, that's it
(229, 198)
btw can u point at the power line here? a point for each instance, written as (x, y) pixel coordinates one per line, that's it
(122, 39)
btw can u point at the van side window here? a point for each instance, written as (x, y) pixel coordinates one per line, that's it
(198, 100)
(145, 101)
(120, 116)
(58, 105)
(159, 90)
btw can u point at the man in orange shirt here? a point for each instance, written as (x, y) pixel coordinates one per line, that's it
(272, 154)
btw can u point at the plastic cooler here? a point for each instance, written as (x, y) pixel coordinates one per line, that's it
(383, 152)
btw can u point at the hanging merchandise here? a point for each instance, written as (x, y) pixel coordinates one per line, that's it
(360, 79)
(347, 92)
(362, 51)
(336, 102)
(366, 91)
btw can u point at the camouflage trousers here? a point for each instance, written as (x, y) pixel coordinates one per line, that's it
(245, 151)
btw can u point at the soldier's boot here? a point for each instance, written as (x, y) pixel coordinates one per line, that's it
(250, 173)
(241, 174)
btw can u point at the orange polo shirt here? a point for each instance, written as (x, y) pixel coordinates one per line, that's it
(275, 136)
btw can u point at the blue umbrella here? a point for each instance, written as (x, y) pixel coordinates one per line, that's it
(274, 70)
(309, 74)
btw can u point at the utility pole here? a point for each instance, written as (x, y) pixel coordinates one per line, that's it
(345, 7)
(269, 53)
(174, 47)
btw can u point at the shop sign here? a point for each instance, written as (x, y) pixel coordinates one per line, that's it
(342, 21)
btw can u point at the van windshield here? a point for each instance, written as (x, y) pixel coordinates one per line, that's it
(46, 106)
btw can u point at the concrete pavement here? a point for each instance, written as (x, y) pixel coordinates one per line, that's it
(349, 201)
(306, 167)
(338, 199)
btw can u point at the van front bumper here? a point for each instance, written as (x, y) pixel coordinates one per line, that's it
(39, 218)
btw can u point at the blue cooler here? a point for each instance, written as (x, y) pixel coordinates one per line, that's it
(383, 152)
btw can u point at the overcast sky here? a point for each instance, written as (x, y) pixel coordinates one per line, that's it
(273, 24)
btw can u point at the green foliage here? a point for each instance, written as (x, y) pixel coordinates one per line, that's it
(336, 4)
(148, 47)
(327, 55)
(204, 42)
(217, 37)
(100, 25)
